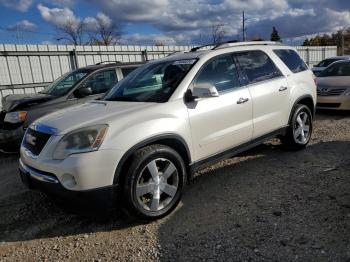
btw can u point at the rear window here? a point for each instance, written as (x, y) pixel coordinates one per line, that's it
(291, 59)
(257, 66)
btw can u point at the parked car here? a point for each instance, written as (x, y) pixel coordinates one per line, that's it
(76, 87)
(333, 87)
(317, 69)
(144, 140)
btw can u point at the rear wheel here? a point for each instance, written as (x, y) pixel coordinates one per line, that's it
(154, 182)
(300, 128)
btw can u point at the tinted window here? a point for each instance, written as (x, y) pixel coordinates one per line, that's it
(101, 82)
(337, 69)
(220, 72)
(257, 66)
(291, 59)
(127, 70)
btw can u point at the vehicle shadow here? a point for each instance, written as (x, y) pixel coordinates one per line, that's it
(323, 114)
(268, 205)
(230, 208)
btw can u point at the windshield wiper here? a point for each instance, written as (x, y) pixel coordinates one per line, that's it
(123, 98)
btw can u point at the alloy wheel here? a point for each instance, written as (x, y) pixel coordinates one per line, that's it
(157, 184)
(302, 127)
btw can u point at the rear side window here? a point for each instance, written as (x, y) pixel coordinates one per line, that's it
(257, 66)
(291, 59)
(127, 70)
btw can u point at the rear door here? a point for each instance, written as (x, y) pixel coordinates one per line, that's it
(269, 91)
(220, 123)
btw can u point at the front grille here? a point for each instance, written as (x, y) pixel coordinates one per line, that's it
(35, 141)
(331, 92)
(330, 105)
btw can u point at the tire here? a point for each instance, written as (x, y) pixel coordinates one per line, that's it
(300, 128)
(154, 182)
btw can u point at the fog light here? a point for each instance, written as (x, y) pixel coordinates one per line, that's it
(68, 181)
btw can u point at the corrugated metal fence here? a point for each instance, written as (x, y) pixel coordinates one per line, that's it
(29, 68)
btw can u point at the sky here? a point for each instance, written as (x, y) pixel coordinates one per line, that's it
(171, 22)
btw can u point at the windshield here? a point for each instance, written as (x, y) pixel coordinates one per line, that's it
(337, 69)
(65, 83)
(153, 82)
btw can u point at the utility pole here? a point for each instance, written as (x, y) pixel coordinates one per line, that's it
(243, 27)
(342, 42)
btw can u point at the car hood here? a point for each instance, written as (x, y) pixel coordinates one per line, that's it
(92, 113)
(333, 82)
(12, 102)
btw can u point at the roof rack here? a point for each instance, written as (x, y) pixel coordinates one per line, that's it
(176, 52)
(194, 49)
(231, 44)
(108, 62)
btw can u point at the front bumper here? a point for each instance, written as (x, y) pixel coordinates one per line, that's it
(104, 198)
(333, 102)
(11, 138)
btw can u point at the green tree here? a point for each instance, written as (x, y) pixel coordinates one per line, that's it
(274, 35)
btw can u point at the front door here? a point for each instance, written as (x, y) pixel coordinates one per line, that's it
(220, 123)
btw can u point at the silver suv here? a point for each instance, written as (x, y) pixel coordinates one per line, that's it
(144, 140)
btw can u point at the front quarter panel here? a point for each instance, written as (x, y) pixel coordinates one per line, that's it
(162, 119)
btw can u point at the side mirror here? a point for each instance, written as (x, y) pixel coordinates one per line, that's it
(204, 91)
(83, 92)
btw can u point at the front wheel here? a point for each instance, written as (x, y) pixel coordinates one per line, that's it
(154, 182)
(300, 128)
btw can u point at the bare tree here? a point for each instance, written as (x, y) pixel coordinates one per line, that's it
(105, 31)
(218, 33)
(72, 31)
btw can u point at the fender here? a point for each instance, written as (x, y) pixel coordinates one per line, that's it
(297, 102)
(149, 141)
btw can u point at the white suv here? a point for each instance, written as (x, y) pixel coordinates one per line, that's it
(144, 140)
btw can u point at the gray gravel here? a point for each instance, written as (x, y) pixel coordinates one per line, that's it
(266, 204)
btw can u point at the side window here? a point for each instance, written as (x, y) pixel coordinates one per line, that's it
(127, 70)
(291, 59)
(257, 66)
(220, 72)
(102, 81)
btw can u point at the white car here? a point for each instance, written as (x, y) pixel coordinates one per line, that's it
(144, 140)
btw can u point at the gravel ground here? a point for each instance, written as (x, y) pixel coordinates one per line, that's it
(266, 204)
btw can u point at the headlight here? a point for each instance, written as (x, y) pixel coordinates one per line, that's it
(83, 140)
(347, 92)
(15, 117)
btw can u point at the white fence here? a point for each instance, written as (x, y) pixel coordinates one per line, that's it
(29, 68)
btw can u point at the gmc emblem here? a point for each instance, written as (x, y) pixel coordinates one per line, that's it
(31, 139)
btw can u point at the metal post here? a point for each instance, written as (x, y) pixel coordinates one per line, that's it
(73, 59)
(144, 56)
(308, 56)
(342, 42)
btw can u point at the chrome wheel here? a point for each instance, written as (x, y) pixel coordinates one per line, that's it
(157, 184)
(301, 130)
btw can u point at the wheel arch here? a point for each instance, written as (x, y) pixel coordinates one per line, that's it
(174, 141)
(303, 100)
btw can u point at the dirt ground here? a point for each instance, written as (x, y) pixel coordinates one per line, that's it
(267, 204)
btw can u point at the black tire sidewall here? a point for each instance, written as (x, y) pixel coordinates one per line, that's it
(140, 160)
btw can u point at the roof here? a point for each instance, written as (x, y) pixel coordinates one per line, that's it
(198, 52)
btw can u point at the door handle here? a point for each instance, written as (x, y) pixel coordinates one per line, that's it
(283, 88)
(242, 100)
